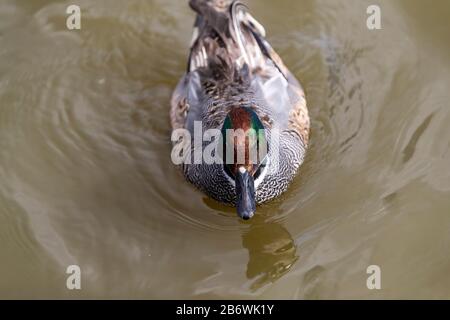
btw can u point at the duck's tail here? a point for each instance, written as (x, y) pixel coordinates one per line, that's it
(225, 36)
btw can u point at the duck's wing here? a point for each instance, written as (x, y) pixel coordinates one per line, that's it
(185, 105)
(214, 62)
(210, 61)
(277, 86)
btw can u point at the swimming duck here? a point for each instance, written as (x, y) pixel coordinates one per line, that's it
(236, 81)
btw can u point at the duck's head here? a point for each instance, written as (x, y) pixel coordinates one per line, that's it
(245, 150)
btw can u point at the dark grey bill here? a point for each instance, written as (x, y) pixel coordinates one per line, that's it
(245, 194)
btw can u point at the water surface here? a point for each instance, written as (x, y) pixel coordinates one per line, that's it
(86, 176)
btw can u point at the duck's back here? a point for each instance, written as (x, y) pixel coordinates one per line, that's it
(231, 64)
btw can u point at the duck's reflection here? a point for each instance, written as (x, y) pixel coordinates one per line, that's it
(272, 252)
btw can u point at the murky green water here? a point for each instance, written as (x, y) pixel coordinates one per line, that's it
(86, 177)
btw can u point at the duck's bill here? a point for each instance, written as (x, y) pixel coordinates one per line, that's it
(245, 194)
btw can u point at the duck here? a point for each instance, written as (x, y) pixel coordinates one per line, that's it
(235, 81)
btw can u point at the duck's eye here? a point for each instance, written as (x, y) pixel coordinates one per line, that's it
(228, 170)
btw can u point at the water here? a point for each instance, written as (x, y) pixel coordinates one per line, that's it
(86, 177)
